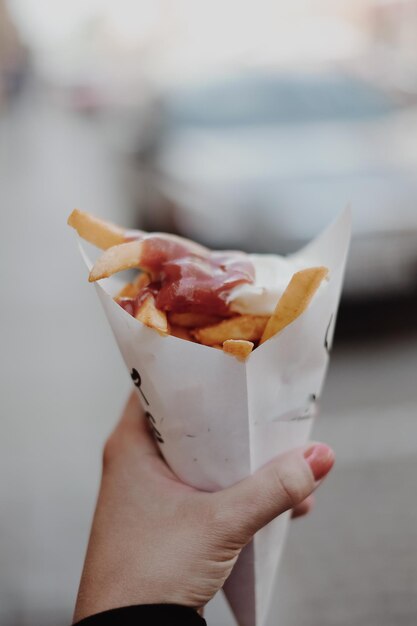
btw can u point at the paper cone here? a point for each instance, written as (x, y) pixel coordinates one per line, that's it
(217, 419)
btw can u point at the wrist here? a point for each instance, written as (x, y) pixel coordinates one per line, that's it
(106, 584)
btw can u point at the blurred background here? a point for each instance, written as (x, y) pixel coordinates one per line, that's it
(240, 124)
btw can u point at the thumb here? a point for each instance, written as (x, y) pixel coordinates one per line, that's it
(278, 486)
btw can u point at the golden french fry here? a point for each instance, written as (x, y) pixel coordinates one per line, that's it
(149, 315)
(248, 327)
(181, 333)
(141, 281)
(128, 291)
(131, 290)
(240, 348)
(98, 232)
(193, 320)
(295, 299)
(125, 256)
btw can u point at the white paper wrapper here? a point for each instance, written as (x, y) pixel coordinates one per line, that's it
(217, 419)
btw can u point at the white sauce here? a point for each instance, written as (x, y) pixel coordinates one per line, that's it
(272, 275)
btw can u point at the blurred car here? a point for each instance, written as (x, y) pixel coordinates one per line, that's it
(263, 162)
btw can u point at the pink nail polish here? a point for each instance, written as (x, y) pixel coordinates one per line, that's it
(320, 459)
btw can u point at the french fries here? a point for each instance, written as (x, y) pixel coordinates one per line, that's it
(131, 254)
(238, 335)
(98, 232)
(141, 281)
(192, 320)
(181, 333)
(294, 300)
(128, 291)
(247, 327)
(124, 256)
(149, 315)
(131, 290)
(240, 348)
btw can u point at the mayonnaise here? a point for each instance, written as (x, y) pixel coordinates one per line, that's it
(272, 275)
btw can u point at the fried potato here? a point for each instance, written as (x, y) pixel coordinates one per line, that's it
(128, 291)
(149, 315)
(240, 348)
(295, 299)
(131, 290)
(181, 333)
(142, 280)
(248, 327)
(238, 335)
(98, 232)
(125, 256)
(192, 320)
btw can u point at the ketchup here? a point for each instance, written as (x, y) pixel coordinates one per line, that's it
(186, 277)
(128, 304)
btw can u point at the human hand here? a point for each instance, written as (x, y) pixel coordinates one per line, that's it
(156, 540)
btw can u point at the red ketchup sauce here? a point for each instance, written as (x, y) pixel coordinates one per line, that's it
(186, 277)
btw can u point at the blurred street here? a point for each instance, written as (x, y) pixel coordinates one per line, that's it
(63, 383)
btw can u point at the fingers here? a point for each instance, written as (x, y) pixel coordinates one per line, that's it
(280, 485)
(303, 508)
(130, 415)
(132, 428)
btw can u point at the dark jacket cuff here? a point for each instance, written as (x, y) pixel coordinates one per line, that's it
(146, 615)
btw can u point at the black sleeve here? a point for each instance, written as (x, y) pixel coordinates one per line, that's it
(146, 615)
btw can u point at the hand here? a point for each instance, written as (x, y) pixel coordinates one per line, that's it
(157, 540)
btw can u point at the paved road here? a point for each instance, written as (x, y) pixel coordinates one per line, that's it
(353, 562)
